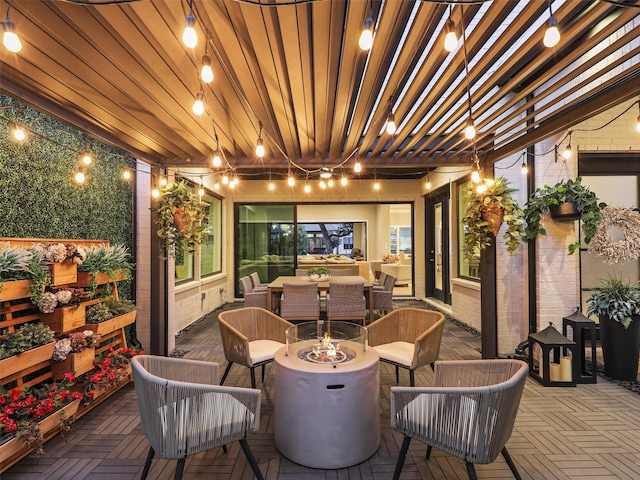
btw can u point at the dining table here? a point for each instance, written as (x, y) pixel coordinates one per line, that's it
(274, 289)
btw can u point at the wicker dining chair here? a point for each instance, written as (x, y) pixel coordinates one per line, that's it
(346, 301)
(300, 301)
(469, 412)
(408, 338)
(257, 284)
(381, 279)
(253, 298)
(183, 411)
(383, 299)
(251, 337)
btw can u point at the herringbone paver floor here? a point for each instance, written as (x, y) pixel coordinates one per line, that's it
(586, 432)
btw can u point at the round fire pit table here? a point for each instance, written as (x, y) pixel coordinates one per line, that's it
(327, 396)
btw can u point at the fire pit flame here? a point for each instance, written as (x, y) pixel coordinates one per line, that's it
(326, 351)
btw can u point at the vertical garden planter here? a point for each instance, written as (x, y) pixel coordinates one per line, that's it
(77, 363)
(112, 324)
(11, 365)
(63, 273)
(65, 319)
(85, 278)
(15, 289)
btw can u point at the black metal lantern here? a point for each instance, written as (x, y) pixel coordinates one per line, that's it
(582, 329)
(557, 373)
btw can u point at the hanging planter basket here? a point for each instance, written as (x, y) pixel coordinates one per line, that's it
(565, 212)
(494, 216)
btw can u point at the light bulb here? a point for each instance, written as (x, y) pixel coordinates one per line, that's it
(236, 181)
(272, 186)
(357, 167)
(376, 186)
(307, 188)
(366, 37)
(126, 175)
(291, 181)
(323, 185)
(428, 185)
(10, 39)
(330, 183)
(260, 147)
(470, 130)
(189, 36)
(231, 185)
(475, 176)
(79, 176)
(217, 161)
(155, 193)
(216, 186)
(344, 181)
(198, 105)
(552, 34)
(450, 39)
(18, 133)
(638, 124)
(206, 74)
(225, 180)
(524, 169)
(391, 124)
(201, 191)
(481, 188)
(567, 151)
(86, 159)
(163, 182)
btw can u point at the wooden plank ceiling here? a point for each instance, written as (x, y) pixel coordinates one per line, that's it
(120, 71)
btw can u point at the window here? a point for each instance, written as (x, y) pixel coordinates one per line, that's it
(467, 268)
(211, 247)
(400, 240)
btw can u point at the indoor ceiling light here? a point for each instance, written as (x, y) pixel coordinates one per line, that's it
(391, 124)
(198, 105)
(450, 39)
(551, 34)
(189, 36)
(206, 74)
(470, 130)
(366, 37)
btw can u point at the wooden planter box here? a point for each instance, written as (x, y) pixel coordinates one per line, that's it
(77, 363)
(15, 289)
(22, 361)
(112, 324)
(15, 448)
(65, 319)
(63, 273)
(125, 376)
(84, 278)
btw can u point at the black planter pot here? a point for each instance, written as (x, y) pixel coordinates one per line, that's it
(565, 212)
(620, 348)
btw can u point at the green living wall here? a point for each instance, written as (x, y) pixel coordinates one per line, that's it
(38, 195)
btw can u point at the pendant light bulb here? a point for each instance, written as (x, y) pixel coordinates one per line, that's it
(307, 188)
(217, 160)
(206, 74)
(567, 152)
(86, 159)
(638, 124)
(260, 148)
(79, 177)
(155, 193)
(323, 185)
(216, 186)
(330, 183)
(198, 105)
(272, 186)
(524, 169)
(126, 174)
(391, 124)
(450, 39)
(291, 181)
(225, 180)
(552, 34)
(189, 36)
(428, 185)
(18, 133)
(10, 39)
(163, 182)
(376, 186)
(475, 176)
(344, 181)
(366, 37)
(357, 167)
(481, 188)
(470, 130)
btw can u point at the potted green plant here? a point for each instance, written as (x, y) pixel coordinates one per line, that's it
(180, 213)
(567, 200)
(319, 274)
(617, 305)
(104, 264)
(22, 274)
(486, 210)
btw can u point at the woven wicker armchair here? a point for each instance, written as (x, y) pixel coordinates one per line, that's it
(253, 298)
(381, 279)
(183, 411)
(468, 413)
(408, 338)
(300, 301)
(346, 301)
(383, 299)
(251, 337)
(257, 284)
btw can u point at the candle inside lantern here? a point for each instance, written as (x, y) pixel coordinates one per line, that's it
(554, 372)
(565, 369)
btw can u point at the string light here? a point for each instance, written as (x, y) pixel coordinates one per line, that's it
(344, 181)
(450, 39)
(357, 167)
(272, 186)
(260, 144)
(217, 160)
(79, 177)
(524, 169)
(216, 185)
(551, 34)
(470, 130)
(366, 37)
(189, 36)
(475, 174)
(376, 186)
(86, 158)
(225, 179)
(126, 174)
(10, 39)
(330, 183)
(198, 105)
(307, 188)
(155, 193)
(201, 190)
(391, 124)
(323, 185)
(291, 181)
(18, 133)
(206, 74)
(428, 185)
(567, 152)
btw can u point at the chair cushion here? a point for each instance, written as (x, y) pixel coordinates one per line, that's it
(398, 352)
(261, 350)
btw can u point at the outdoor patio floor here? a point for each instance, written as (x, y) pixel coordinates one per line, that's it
(591, 431)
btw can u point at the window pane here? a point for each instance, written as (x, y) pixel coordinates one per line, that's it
(467, 268)
(211, 247)
(184, 267)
